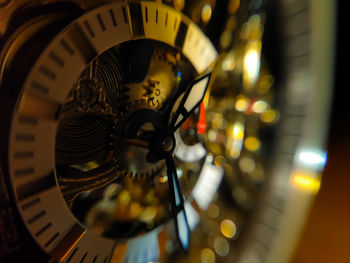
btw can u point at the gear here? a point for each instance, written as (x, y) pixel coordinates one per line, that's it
(101, 93)
(159, 81)
(131, 155)
(150, 93)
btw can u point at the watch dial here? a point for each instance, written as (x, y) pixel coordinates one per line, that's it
(159, 131)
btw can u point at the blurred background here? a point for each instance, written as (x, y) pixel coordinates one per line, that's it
(326, 235)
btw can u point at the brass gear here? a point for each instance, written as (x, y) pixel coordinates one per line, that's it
(159, 81)
(150, 93)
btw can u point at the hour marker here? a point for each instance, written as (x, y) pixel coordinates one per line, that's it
(94, 260)
(30, 203)
(36, 186)
(181, 35)
(106, 260)
(54, 57)
(27, 120)
(100, 21)
(88, 28)
(48, 243)
(82, 42)
(39, 87)
(111, 13)
(146, 14)
(124, 15)
(25, 137)
(23, 155)
(36, 217)
(136, 17)
(39, 106)
(71, 255)
(24, 171)
(83, 258)
(43, 229)
(47, 72)
(68, 242)
(175, 24)
(67, 47)
(166, 19)
(156, 16)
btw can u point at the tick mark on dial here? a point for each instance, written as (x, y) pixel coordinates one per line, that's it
(36, 217)
(48, 243)
(47, 72)
(89, 29)
(27, 120)
(25, 137)
(55, 58)
(124, 15)
(67, 47)
(24, 171)
(111, 13)
(71, 255)
(30, 203)
(100, 21)
(23, 155)
(83, 258)
(43, 229)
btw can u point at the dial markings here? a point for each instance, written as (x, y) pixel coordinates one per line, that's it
(39, 87)
(89, 29)
(124, 15)
(56, 58)
(24, 171)
(192, 48)
(83, 258)
(72, 255)
(36, 186)
(39, 106)
(100, 21)
(181, 35)
(82, 43)
(36, 217)
(27, 120)
(146, 14)
(112, 15)
(30, 203)
(67, 47)
(23, 137)
(52, 239)
(43, 229)
(68, 242)
(47, 72)
(23, 155)
(135, 12)
(71, 49)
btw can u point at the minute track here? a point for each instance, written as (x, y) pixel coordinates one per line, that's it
(56, 75)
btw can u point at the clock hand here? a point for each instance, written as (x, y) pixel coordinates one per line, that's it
(192, 98)
(162, 144)
(159, 119)
(177, 204)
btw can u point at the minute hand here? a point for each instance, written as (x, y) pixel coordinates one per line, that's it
(192, 98)
(190, 101)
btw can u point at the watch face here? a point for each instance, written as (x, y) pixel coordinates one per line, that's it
(142, 131)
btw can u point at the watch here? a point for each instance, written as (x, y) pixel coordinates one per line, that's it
(159, 131)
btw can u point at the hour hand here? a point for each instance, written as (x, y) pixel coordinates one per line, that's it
(193, 96)
(178, 209)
